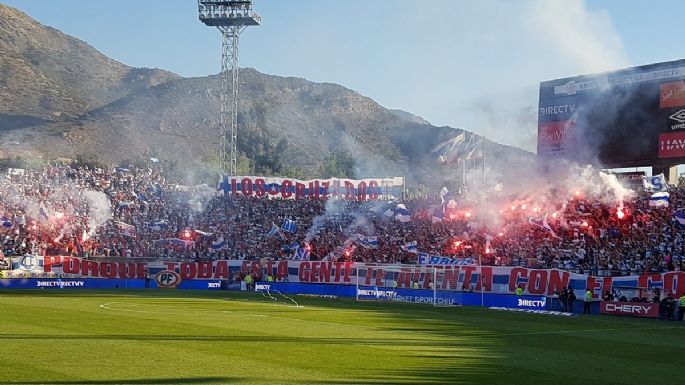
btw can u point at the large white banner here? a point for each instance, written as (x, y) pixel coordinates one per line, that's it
(288, 188)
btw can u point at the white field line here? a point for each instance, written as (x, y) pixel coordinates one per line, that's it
(229, 313)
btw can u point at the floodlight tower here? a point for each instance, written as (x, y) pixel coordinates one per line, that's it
(231, 18)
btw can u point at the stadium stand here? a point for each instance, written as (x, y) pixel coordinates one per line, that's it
(137, 213)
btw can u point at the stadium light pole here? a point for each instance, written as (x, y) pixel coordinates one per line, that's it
(231, 18)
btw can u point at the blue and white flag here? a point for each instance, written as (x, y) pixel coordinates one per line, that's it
(289, 225)
(402, 214)
(302, 255)
(655, 183)
(274, 231)
(543, 224)
(411, 247)
(680, 218)
(140, 196)
(204, 233)
(219, 243)
(158, 225)
(427, 259)
(290, 246)
(449, 150)
(368, 242)
(42, 211)
(445, 195)
(438, 214)
(659, 199)
(6, 222)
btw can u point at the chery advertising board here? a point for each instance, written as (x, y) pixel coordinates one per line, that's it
(631, 309)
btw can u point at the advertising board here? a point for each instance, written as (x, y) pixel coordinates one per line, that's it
(631, 309)
(624, 118)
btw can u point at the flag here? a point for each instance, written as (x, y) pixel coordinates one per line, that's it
(449, 149)
(474, 148)
(445, 195)
(219, 244)
(368, 242)
(302, 255)
(154, 160)
(411, 247)
(84, 236)
(6, 222)
(402, 214)
(158, 225)
(543, 224)
(289, 225)
(290, 246)
(274, 230)
(447, 199)
(43, 211)
(655, 183)
(140, 196)
(680, 218)
(204, 234)
(126, 229)
(438, 214)
(659, 199)
(122, 169)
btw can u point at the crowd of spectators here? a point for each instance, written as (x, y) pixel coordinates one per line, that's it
(137, 213)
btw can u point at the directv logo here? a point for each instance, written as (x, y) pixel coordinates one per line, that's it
(532, 303)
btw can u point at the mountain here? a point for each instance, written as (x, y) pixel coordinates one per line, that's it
(46, 75)
(62, 98)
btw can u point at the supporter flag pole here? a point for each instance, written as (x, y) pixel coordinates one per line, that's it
(463, 170)
(484, 157)
(480, 276)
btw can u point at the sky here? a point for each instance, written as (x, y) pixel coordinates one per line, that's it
(473, 64)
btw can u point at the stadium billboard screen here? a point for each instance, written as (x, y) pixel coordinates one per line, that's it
(631, 117)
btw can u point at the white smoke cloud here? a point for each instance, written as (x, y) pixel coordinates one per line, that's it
(99, 209)
(585, 37)
(566, 38)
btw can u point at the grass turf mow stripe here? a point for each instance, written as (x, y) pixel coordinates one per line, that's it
(183, 337)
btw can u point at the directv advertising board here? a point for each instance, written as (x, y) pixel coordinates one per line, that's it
(631, 117)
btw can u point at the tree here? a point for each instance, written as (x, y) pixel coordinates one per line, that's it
(338, 164)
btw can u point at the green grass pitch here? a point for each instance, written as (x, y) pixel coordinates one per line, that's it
(179, 337)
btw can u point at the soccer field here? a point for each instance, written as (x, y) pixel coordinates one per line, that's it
(175, 337)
